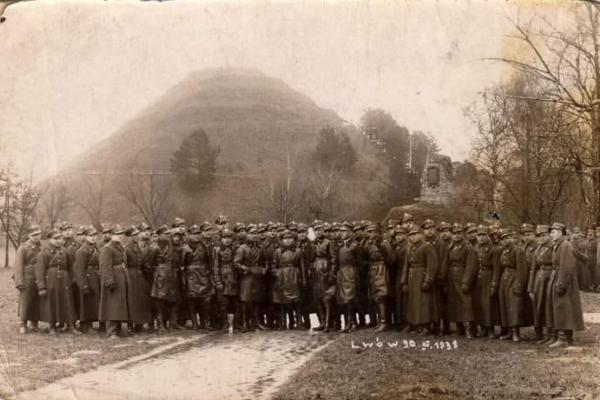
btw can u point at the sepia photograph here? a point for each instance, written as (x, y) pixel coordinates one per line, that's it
(299, 199)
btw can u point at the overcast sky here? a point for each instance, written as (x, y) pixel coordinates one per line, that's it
(72, 72)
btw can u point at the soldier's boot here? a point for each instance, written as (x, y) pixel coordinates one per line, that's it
(326, 327)
(492, 333)
(569, 334)
(194, 316)
(425, 330)
(35, 327)
(352, 318)
(305, 321)
(383, 322)
(244, 315)
(372, 319)
(469, 330)
(205, 323)
(561, 340)
(102, 327)
(460, 329)
(52, 330)
(282, 319)
(346, 327)
(539, 334)
(484, 332)
(516, 334)
(257, 319)
(130, 329)
(297, 316)
(173, 318)
(445, 327)
(553, 337)
(160, 324)
(362, 320)
(321, 316)
(230, 323)
(547, 337)
(23, 327)
(226, 320)
(505, 334)
(72, 329)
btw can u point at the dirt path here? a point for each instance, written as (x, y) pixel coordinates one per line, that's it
(238, 366)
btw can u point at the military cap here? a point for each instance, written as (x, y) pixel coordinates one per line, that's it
(281, 227)
(131, 231)
(262, 228)
(118, 230)
(144, 227)
(226, 233)
(252, 228)
(53, 234)
(414, 230)
(302, 227)
(335, 227)
(400, 230)
(318, 224)
(206, 226)
(470, 227)
(346, 226)
(371, 227)
(292, 226)
(194, 230)
(457, 228)
(540, 229)
(108, 228)
(494, 231)
(392, 223)
(504, 233)
(576, 229)
(221, 219)
(163, 230)
(407, 218)
(525, 228)
(239, 227)
(34, 230)
(270, 225)
(66, 225)
(80, 230)
(90, 231)
(178, 222)
(559, 226)
(327, 227)
(483, 230)
(428, 224)
(444, 226)
(287, 234)
(357, 227)
(364, 224)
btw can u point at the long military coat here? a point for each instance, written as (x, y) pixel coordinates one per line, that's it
(53, 272)
(165, 277)
(198, 270)
(287, 269)
(373, 255)
(539, 278)
(138, 287)
(462, 270)
(113, 272)
(485, 307)
(349, 259)
(567, 313)
(87, 279)
(421, 267)
(26, 260)
(513, 284)
(323, 269)
(224, 272)
(250, 264)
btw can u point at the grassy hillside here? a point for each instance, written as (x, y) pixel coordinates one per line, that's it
(255, 119)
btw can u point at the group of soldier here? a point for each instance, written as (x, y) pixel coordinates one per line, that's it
(486, 281)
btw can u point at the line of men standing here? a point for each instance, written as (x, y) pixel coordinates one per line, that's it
(268, 276)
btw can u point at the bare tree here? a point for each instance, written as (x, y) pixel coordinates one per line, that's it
(322, 192)
(92, 196)
(567, 63)
(282, 192)
(150, 194)
(55, 202)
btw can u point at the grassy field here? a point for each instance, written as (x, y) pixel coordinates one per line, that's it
(477, 369)
(32, 360)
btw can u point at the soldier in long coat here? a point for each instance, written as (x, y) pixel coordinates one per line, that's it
(373, 255)
(389, 255)
(87, 279)
(567, 314)
(323, 278)
(71, 245)
(226, 281)
(26, 260)
(462, 271)
(166, 289)
(537, 287)
(198, 263)
(179, 310)
(419, 276)
(580, 251)
(401, 238)
(250, 264)
(362, 305)
(485, 306)
(269, 246)
(288, 270)
(440, 288)
(53, 275)
(307, 250)
(349, 259)
(114, 308)
(512, 275)
(530, 245)
(138, 285)
(592, 255)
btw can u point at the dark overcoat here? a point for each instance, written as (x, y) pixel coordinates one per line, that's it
(53, 272)
(25, 262)
(87, 279)
(113, 283)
